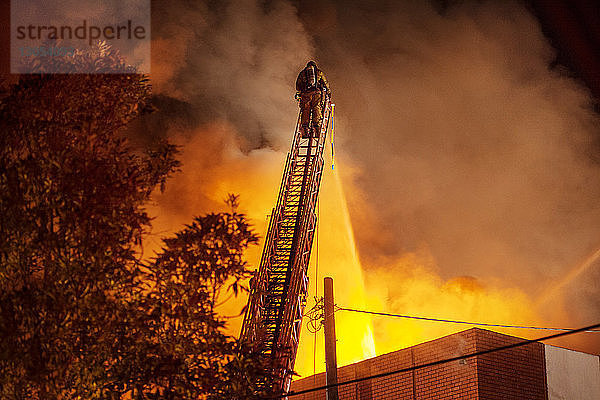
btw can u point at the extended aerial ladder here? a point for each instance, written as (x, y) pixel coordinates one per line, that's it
(278, 291)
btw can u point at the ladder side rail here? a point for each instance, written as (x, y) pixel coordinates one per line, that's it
(252, 317)
(274, 302)
(300, 169)
(314, 181)
(296, 295)
(248, 331)
(264, 270)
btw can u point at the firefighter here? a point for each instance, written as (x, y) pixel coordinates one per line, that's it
(311, 86)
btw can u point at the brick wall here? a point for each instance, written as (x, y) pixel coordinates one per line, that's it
(310, 382)
(511, 374)
(453, 380)
(517, 373)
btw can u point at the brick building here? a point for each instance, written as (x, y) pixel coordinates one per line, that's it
(531, 372)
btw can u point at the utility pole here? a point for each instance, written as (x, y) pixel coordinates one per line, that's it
(330, 354)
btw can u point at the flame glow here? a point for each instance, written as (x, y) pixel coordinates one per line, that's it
(409, 285)
(337, 258)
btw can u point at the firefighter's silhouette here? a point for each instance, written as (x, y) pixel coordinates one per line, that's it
(311, 89)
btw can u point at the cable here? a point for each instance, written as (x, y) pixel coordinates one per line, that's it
(315, 316)
(316, 291)
(434, 363)
(332, 135)
(457, 322)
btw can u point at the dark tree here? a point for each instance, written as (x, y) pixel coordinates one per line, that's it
(81, 314)
(185, 283)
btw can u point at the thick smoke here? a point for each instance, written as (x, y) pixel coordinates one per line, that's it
(466, 149)
(222, 77)
(467, 142)
(231, 61)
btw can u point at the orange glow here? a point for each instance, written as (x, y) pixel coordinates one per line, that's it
(337, 258)
(213, 166)
(411, 286)
(255, 176)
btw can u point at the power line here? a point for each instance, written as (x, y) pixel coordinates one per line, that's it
(457, 322)
(434, 363)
